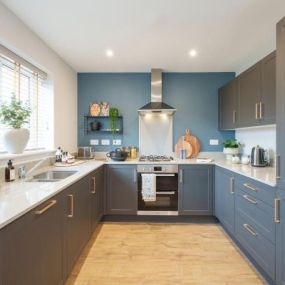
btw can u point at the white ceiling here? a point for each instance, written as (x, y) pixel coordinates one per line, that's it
(229, 35)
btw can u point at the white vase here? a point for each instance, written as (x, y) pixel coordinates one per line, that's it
(16, 140)
(230, 152)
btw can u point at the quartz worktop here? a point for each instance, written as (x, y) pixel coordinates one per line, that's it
(19, 197)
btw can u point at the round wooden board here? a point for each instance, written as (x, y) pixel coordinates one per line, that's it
(182, 144)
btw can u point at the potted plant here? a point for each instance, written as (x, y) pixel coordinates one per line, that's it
(231, 147)
(113, 115)
(15, 115)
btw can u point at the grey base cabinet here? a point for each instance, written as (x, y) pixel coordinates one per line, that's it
(195, 190)
(280, 239)
(121, 189)
(31, 247)
(225, 198)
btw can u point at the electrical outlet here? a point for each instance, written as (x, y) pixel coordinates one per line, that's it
(105, 142)
(94, 142)
(214, 142)
(117, 142)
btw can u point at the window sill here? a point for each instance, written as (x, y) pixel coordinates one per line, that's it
(26, 155)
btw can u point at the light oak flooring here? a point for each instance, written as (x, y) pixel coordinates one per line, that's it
(156, 254)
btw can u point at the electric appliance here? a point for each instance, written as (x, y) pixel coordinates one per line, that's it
(155, 158)
(258, 157)
(166, 202)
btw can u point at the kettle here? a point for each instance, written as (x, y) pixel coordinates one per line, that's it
(258, 157)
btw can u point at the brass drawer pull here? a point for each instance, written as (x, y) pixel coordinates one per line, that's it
(260, 110)
(71, 206)
(94, 185)
(277, 218)
(181, 176)
(256, 111)
(250, 187)
(49, 205)
(249, 199)
(250, 229)
(234, 116)
(278, 161)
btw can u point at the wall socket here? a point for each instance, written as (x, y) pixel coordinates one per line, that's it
(214, 142)
(105, 142)
(117, 142)
(94, 142)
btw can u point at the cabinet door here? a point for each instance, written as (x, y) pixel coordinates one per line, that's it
(77, 221)
(97, 197)
(228, 106)
(121, 189)
(268, 94)
(195, 190)
(225, 199)
(280, 104)
(280, 240)
(249, 90)
(31, 247)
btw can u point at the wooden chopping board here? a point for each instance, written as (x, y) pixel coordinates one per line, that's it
(194, 142)
(183, 144)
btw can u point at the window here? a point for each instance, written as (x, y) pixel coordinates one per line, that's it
(29, 84)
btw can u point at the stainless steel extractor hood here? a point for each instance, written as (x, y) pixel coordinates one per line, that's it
(156, 105)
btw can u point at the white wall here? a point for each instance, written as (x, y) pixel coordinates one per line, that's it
(20, 39)
(264, 136)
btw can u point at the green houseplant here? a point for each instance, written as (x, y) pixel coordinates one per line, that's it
(231, 147)
(113, 115)
(15, 115)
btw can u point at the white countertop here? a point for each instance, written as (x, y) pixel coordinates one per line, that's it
(19, 197)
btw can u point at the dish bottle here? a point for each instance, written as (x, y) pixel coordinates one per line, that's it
(10, 173)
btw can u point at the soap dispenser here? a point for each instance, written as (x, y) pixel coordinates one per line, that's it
(10, 173)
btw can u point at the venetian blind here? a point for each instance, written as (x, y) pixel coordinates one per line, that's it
(28, 83)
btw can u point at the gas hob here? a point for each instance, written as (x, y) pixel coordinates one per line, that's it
(155, 158)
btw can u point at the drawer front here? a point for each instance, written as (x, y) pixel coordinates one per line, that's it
(258, 190)
(260, 249)
(261, 215)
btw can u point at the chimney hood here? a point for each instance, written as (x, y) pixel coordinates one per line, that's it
(156, 105)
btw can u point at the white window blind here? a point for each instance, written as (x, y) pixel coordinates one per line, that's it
(29, 84)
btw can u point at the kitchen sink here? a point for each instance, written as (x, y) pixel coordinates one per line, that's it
(51, 176)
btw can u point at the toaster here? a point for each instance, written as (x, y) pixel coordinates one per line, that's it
(85, 152)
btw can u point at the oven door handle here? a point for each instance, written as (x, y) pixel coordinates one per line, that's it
(165, 175)
(165, 192)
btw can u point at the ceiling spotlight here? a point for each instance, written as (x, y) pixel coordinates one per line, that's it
(109, 53)
(192, 52)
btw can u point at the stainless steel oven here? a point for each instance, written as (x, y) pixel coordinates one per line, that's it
(166, 202)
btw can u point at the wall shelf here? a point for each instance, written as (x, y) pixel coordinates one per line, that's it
(105, 124)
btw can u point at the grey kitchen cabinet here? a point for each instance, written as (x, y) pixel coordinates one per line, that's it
(228, 106)
(97, 196)
(280, 104)
(225, 198)
(280, 237)
(76, 221)
(195, 190)
(121, 189)
(249, 90)
(31, 246)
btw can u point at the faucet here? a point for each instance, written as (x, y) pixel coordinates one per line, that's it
(22, 169)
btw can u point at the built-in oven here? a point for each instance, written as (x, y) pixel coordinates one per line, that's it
(166, 200)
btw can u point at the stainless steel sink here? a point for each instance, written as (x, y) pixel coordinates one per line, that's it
(51, 176)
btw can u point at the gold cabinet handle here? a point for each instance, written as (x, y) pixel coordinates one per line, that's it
(249, 199)
(232, 191)
(250, 229)
(71, 206)
(260, 110)
(278, 166)
(256, 111)
(277, 218)
(234, 116)
(94, 185)
(181, 176)
(250, 187)
(44, 209)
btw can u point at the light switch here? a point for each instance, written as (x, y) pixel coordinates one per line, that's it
(105, 142)
(214, 142)
(94, 142)
(117, 142)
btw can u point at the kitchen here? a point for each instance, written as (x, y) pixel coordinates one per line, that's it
(199, 130)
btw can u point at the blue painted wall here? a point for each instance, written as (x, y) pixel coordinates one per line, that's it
(194, 95)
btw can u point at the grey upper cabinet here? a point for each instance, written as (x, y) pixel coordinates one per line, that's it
(76, 221)
(225, 198)
(121, 190)
(280, 104)
(228, 106)
(195, 190)
(31, 247)
(267, 102)
(249, 90)
(97, 196)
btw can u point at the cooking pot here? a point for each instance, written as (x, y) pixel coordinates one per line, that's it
(117, 155)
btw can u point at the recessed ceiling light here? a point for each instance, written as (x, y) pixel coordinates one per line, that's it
(192, 52)
(109, 53)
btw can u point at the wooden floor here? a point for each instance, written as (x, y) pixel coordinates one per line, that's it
(139, 253)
